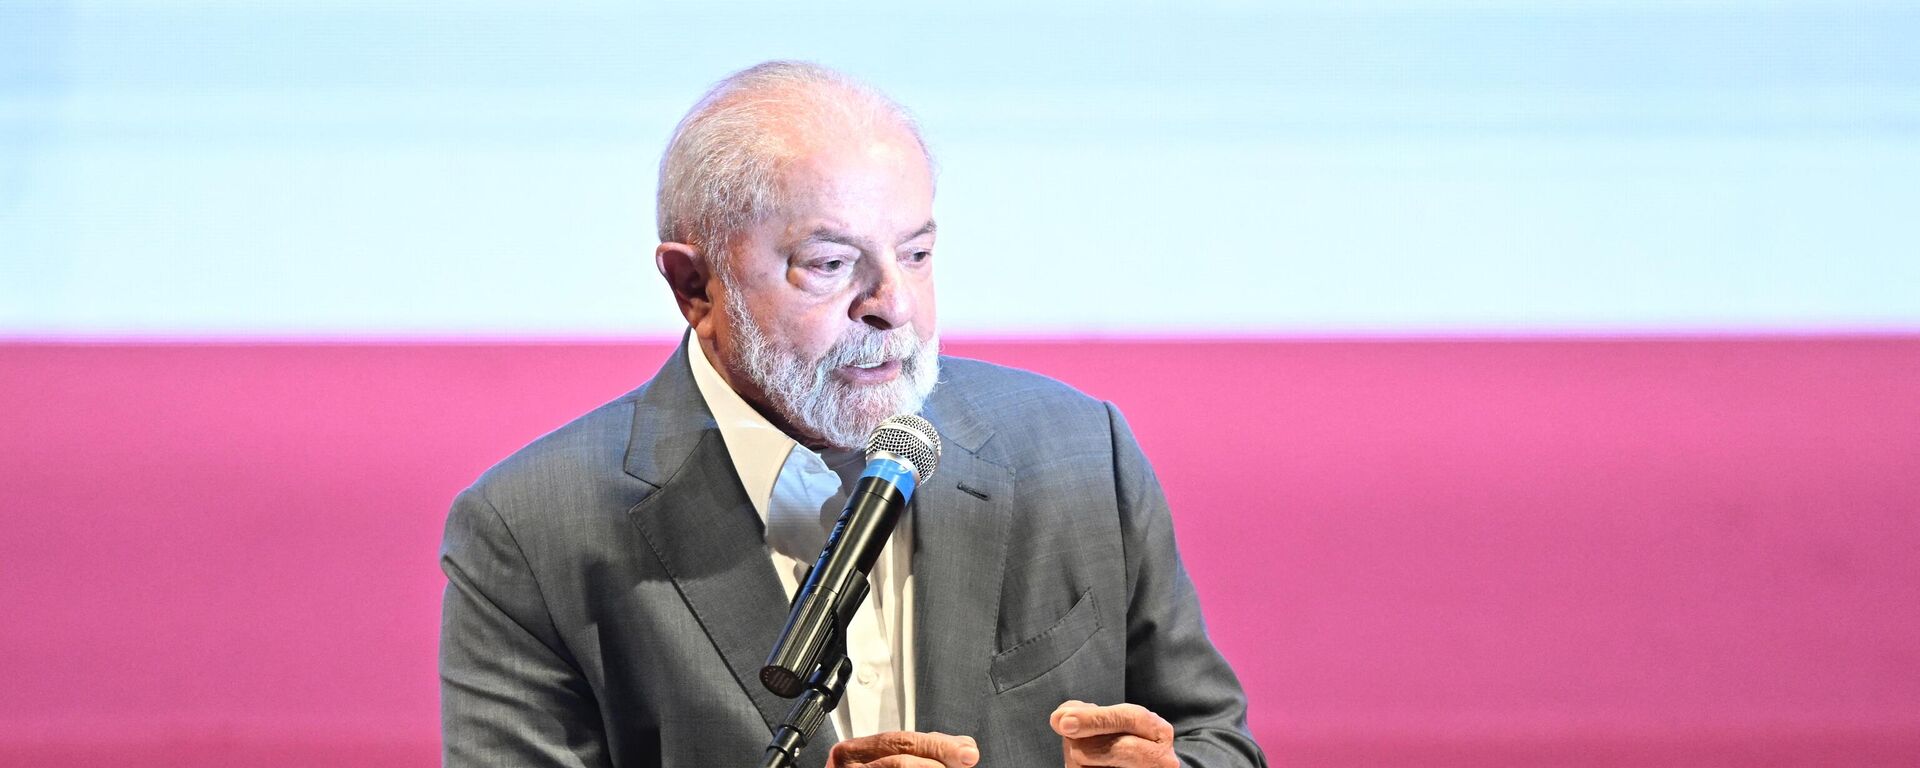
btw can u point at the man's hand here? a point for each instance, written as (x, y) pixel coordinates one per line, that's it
(1118, 736)
(905, 749)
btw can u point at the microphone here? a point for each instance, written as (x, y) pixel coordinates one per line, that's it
(902, 453)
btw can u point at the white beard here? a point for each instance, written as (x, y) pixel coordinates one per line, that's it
(812, 399)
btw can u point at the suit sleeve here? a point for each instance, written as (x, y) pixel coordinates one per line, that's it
(1172, 667)
(509, 692)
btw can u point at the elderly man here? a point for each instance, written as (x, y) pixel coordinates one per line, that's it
(614, 587)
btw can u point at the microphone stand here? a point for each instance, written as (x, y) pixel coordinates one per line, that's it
(824, 688)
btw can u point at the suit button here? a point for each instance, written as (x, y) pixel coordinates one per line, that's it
(865, 676)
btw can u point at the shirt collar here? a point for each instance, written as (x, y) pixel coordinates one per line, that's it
(757, 447)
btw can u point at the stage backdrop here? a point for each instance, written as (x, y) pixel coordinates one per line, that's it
(1563, 356)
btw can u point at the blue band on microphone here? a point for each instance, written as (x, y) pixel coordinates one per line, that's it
(893, 471)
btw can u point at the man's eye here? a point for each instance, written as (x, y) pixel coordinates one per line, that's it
(830, 265)
(919, 256)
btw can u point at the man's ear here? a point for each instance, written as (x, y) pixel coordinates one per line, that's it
(690, 276)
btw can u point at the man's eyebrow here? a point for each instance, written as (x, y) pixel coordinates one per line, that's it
(923, 231)
(830, 235)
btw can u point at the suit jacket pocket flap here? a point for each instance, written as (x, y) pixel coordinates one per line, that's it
(1039, 654)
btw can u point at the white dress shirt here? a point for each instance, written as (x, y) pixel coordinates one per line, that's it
(786, 481)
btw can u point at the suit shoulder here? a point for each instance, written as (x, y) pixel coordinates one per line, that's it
(585, 452)
(1000, 389)
(1025, 411)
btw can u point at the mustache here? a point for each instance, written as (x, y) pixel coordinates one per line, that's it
(873, 346)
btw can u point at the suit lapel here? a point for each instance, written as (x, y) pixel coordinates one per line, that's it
(703, 529)
(960, 527)
(706, 534)
(708, 537)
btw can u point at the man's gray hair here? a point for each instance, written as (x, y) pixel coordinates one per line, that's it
(721, 170)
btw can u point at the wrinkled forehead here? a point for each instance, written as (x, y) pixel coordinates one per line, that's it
(854, 164)
(878, 180)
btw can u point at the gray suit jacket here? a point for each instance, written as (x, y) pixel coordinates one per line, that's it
(610, 598)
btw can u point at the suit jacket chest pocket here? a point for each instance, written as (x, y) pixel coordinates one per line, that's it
(1041, 653)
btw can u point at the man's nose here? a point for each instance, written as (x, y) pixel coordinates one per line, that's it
(887, 303)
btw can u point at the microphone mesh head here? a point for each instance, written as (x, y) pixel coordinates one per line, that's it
(909, 437)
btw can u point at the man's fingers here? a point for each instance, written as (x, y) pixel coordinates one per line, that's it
(1116, 750)
(1130, 719)
(904, 761)
(1062, 710)
(1117, 736)
(906, 749)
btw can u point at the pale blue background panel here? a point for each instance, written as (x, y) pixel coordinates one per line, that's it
(413, 168)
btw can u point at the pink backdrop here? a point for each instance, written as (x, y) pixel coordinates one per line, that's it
(1592, 552)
